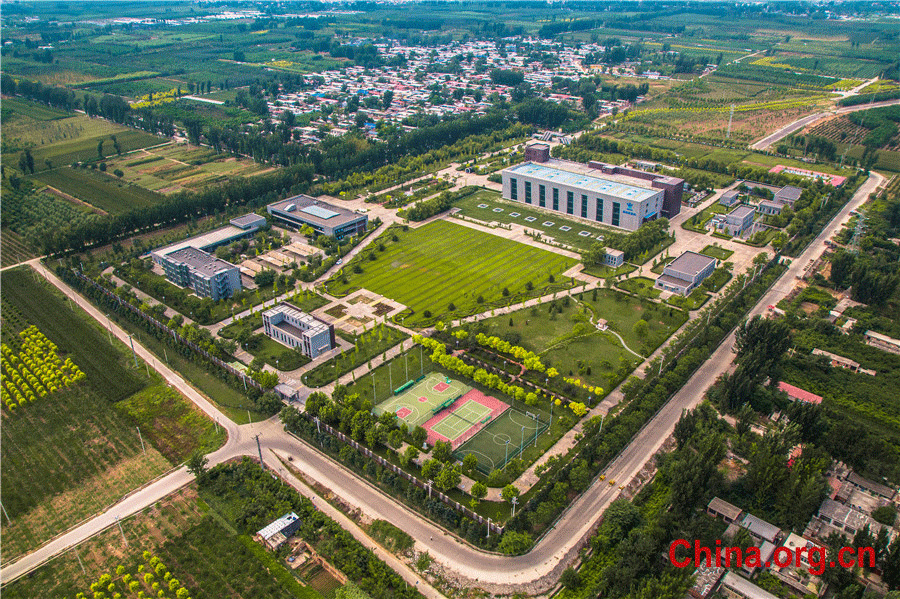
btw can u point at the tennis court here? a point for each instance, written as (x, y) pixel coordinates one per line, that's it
(502, 439)
(461, 420)
(417, 402)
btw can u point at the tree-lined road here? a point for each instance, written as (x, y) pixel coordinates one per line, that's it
(534, 572)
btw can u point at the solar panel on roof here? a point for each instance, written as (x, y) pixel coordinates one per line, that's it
(320, 212)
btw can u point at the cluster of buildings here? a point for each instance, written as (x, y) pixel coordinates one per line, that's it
(833, 180)
(416, 71)
(741, 221)
(847, 510)
(190, 264)
(611, 195)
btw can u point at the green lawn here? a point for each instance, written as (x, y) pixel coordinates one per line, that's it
(693, 301)
(640, 286)
(439, 271)
(568, 341)
(367, 346)
(102, 190)
(714, 251)
(470, 207)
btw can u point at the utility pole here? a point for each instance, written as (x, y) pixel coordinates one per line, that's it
(134, 355)
(144, 449)
(83, 571)
(730, 116)
(121, 531)
(515, 500)
(8, 521)
(259, 449)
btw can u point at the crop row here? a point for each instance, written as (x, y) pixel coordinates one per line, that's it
(34, 372)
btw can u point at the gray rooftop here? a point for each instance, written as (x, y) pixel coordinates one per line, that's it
(309, 209)
(720, 506)
(745, 588)
(583, 181)
(217, 237)
(760, 528)
(691, 263)
(874, 487)
(200, 261)
(248, 220)
(731, 193)
(788, 193)
(741, 212)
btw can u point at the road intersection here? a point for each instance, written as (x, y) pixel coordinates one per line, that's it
(536, 571)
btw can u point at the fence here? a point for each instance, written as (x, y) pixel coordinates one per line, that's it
(248, 382)
(432, 493)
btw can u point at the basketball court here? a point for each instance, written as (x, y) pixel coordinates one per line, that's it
(416, 402)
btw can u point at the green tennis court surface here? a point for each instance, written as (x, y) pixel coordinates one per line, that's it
(417, 404)
(462, 419)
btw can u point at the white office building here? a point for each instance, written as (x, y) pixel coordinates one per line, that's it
(604, 199)
(294, 328)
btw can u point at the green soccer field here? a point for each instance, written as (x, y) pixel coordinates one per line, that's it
(502, 440)
(442, 264)
(416, 404)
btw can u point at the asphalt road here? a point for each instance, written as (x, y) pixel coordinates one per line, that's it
(534, 571)
(767, 141)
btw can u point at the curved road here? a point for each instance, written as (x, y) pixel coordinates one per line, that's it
(766, 142)
(534, 572)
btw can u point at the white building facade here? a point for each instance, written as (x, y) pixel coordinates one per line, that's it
(598, 199)
(298, 329)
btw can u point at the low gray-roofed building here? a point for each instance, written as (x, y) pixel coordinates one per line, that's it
(760, 529)
(207, 275)
(872, 487)
(788, 195)
(323, 218)
(882, 342)
(614, 258)
(720, 508)
(685, 273)
(276, 533)
(743, 588)
(769, 207)
(729, 198)
(845, 518)
(766, 550)
(249, 220)
(739, 220)
(249, 225)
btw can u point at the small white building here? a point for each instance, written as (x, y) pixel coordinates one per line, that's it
(614, 258)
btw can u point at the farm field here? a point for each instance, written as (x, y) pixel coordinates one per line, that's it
(98, 189)
(66, 140)
(441, 270)
(197, 548)
(30, 217)
(55, 474)
(14, 249)
(172, 168)
(499, 210)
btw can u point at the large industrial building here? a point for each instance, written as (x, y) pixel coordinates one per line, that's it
(297, 329)
(324, 219)
(189, 264)
(606, 194)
